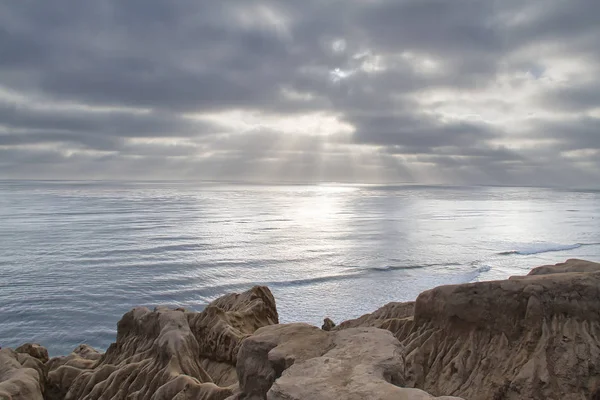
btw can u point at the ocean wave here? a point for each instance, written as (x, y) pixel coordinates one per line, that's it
(415, 266)
(172, 238)
(545, 248)
(182, 247)
(483, 268)
(472, 275)
(310, 281)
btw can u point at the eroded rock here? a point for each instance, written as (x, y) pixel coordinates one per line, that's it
(299, 361)
(166, 354)
(390, 311)
(394, 317)
(530, 337)
(570, 266)
(225, 322)
(22, 377)
(34, 350)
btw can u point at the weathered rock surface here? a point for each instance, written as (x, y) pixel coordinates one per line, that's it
(34, 350)
(299, 361)
(225, 322)
(395, 317)
(573, 265)
(83, 357)
(22, 377)
(530, 337)
(166, 354)
(378, 317)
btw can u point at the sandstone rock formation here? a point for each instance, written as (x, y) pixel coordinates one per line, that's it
(299, 361)
(64, 370)
(22, 377)
(530, 337)
(166, 354)
(395, 317)
(34, 350)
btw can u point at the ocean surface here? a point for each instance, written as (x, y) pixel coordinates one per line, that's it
(75, 256)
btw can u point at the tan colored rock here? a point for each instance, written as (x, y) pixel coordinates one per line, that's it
(21, 376)
(225, 322)
(300, 361)
(394, 317)
(572, 265)
(34, 350)
(83, 357)
(385, 313)
(64, 370)
(222, 374)
(272, 349)
(530, 337)
(166, 354)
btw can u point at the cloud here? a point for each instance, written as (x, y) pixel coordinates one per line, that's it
(468, 91)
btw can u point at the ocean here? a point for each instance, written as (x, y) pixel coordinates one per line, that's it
(75, 256)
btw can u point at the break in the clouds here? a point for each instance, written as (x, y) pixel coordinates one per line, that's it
(431, 91)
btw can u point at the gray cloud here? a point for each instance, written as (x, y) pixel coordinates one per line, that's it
(575, 98)
(581, 133)
(418, 132)
(432, 90)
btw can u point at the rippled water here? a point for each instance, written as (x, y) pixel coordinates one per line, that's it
(76, 256)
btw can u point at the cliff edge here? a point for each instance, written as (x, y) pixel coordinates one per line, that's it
(528, 337)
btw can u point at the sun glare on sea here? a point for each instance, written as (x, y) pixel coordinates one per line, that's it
(321, 204)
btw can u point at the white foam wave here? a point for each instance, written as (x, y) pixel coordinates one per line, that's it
(484, 268)
(544, 248)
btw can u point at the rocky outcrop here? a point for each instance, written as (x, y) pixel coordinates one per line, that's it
(167, 354)
(382, 316)
(225, 322)
(570, 266)
(22, 377)
(299, 361)
(64, 370)
(530, 337)
(394, 317)
(34, 350)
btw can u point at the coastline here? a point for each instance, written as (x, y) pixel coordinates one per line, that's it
(527, 337)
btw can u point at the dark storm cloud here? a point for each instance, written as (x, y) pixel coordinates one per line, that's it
(134, 68)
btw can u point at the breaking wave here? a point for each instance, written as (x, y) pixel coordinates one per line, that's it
(545, 248)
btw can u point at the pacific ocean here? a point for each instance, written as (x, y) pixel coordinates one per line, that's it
(75, 256)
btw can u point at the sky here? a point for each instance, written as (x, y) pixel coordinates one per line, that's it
(499, 92)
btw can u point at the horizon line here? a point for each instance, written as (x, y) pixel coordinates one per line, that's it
(295, 183)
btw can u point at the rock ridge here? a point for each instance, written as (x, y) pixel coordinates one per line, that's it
(528, 337)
